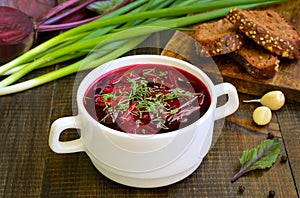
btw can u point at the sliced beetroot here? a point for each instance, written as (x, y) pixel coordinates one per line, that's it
(16, 33)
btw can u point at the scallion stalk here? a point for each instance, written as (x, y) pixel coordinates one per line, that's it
(69, 69)
(67, 13)
(57, 40)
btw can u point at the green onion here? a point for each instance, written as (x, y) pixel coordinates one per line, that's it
(64, 37)
(101, 34)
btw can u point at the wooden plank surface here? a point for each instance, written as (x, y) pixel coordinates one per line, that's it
(289, 120)
(24, 124)
(287, 78)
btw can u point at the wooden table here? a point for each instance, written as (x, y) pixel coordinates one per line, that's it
(28, 168)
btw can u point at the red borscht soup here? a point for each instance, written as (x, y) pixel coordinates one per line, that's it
(147, 99)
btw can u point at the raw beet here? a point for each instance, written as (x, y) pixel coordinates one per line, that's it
(16, 33)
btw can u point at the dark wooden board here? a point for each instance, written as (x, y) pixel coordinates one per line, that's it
(287, 78)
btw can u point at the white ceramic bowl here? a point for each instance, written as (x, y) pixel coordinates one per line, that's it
(144, 160)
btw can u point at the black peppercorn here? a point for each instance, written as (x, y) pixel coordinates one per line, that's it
(283, 159)
(270, 136)
(271, 193)
(241, 188)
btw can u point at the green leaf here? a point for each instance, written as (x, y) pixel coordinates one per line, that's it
(104, 6)
(261, 157)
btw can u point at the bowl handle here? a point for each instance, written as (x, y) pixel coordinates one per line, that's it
(231, 104)
(57, 127)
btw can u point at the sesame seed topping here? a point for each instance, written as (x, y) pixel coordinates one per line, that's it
(285, 54)
(270, 48)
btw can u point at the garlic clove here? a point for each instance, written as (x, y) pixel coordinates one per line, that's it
(262, 115)
(273, 99)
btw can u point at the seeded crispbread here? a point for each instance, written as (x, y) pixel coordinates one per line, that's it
(268, 29)
(258, 62)
(217, 38)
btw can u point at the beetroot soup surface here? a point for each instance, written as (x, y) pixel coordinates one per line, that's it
(147, 99)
